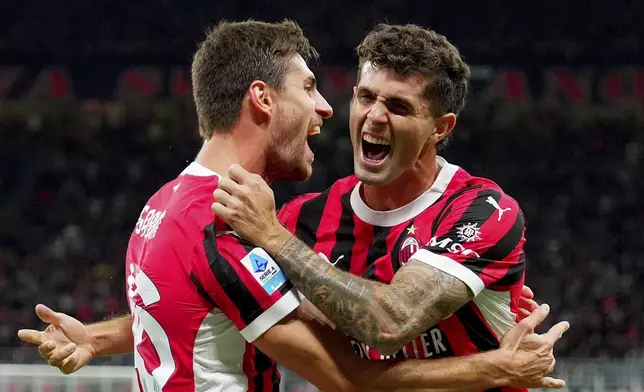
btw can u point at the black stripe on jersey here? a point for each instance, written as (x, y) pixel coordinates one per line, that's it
(447, 207)
(513, 275)
(377, 249)
(276, 380)
(227, 277)
(476, 330)
(201, 290)
(477, 212)
(262, 364)
(344, 238)
(509, 241)
(393, 255)
(501, 249)
(309, 218)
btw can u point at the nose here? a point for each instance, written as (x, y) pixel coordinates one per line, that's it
(322, 107)
(377, 113)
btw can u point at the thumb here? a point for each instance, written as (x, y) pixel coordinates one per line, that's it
(47, 315)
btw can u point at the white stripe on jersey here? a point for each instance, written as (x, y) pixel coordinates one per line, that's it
(218, 356)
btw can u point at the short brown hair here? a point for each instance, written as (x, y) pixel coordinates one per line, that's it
(231, 57)
(413, 49)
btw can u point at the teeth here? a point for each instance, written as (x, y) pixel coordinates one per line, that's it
(374, 140)
(315, 130)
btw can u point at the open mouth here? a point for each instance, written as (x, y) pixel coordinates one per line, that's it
(375, 149)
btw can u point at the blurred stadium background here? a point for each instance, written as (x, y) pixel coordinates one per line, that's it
(96, 113)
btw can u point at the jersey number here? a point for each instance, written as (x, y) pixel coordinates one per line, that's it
(144, 322)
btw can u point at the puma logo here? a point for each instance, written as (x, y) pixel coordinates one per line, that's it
(490, 200)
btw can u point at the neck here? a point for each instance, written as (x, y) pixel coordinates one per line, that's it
(244, 148)
(406, 188)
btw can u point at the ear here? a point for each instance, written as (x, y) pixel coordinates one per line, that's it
(260, 100)
(443, 126)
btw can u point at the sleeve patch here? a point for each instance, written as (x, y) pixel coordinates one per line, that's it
(264, 269)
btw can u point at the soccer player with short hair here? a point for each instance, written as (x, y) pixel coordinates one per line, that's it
(210, 312)
(423, 260)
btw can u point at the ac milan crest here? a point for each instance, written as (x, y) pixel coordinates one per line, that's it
(408, 247)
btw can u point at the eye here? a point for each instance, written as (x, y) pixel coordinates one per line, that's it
(365, 97)
(398, 109)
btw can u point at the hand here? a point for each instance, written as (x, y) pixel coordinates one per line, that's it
(529, 356)
(247, 204)
(65, 343)
(527, 304)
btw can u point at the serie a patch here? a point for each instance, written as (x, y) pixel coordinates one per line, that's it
(264, 269)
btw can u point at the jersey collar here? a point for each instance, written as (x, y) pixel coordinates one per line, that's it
(196, 169)
(411, 210)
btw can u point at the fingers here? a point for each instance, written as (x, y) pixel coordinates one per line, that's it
(528, 304)
(223, 197)
(221, 210)
(60, 354)
(553, 383)
(70, 364)
(229, 185)
(515, 335)
(30, 336)
(527, 292)
(46, 349)
(523, 313)
(239, 174)
(536, 317)
(556, 332)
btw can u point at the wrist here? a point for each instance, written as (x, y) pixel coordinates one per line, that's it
(274, 239)
(495, 365)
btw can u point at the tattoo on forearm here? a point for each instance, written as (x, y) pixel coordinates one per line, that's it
(385, 317)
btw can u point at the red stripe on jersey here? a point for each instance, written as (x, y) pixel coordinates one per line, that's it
(289, 212)
(363, 234)
(330, 221)
(268, 381)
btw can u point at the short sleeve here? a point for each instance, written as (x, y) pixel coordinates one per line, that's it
(479, 239)
(244, 282)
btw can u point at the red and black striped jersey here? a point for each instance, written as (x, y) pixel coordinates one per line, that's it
(463, 225)
(199, 296)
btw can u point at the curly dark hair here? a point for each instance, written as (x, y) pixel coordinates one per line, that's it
(231, 57)
(414, 49)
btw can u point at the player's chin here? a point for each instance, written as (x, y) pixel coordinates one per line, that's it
(301, 171)
(371, 178)
(370, 175)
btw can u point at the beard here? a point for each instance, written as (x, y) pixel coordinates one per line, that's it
(284, 158)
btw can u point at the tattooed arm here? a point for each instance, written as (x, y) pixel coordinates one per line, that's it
(386, 317)
(429, 288)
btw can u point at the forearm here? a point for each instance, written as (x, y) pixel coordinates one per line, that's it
(352, 303)
(471, 373)
(112, 337)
